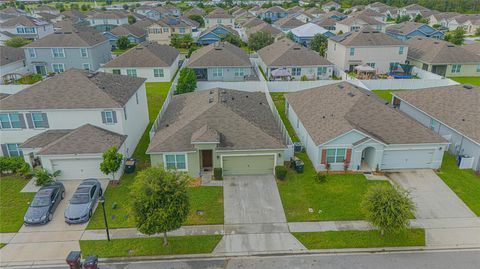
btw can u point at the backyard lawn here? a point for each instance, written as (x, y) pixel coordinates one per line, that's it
(13, 203)
(150, 246)
(467, 80)
(385, 94)
(361, 239)
(279, 100)
(463, 182)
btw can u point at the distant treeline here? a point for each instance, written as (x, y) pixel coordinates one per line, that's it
(461, 6)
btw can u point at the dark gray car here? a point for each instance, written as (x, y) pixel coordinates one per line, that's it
(43, 205)
(80, 207)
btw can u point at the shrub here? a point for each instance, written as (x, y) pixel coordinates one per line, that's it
(320, 177)
(43, 177)
(303, 78)
(280, 172)
(217, 173)
(187, 82)
(25, 170)
(11, 164)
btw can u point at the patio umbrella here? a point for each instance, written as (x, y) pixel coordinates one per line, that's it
(281, 72)
(364, 68)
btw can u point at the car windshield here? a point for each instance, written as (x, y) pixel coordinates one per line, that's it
(40, 201)
(79, 198)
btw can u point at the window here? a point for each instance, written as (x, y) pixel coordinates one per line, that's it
(456, 68)
(219, 20)
(32, 53)
(10, 121)
(20, 30)
(37, 119)
(400, 50)
(58, 68)
(165, 30)
(239, 72)
(175, 161)
(182, 30)
(478, 68)
(116, 71)
(14, 150)
(352, 51)
(433, 124)
(296, 71)
(321, 70)
(132, 72)
(58, 53)
(84, 53)
(372, 65)
(86, 66)
(336, 155)
(158, 73)
(108, 117)
(217, 72)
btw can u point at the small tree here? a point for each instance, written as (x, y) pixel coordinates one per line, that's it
(197, 18)
(477, 31)
(112, 160)
(43, 176)
(456, 36)
(187, 82)
(387, 208)
(131, 19)
(290, 36)
(233, 39)
(160, 201)
(319, 44)
(123, 42)
(85, 8)
(17, 42)
(259, 40)
(74, 6)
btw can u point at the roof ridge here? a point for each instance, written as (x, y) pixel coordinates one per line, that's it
(82, 73)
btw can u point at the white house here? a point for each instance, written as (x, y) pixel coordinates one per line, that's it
(219, 16)
(357, 22)
(90, 111)
(27, 27)
(106, 21)
(343, 127)
(452, 112)
(150, 60)
(12, 64)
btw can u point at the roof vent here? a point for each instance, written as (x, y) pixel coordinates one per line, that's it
(340, 86)
(468, 86)
(351, 94)
(166, 125)
(210, 99)
(224, 99)
(296, 48)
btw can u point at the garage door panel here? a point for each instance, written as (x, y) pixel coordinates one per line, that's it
(78, 168)
(248, 165)
(407, 159)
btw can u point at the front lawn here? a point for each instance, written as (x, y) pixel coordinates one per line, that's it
(463, 182)
(467, 80)
(279, 101)
(385, 94)
(209, 200)
(361, 239)
(13, 203)
(150, 246)
(337, 199)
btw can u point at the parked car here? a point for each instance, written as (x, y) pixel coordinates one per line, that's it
(43, 205)
(80, 207)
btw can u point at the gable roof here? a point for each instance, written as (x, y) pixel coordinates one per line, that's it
(75, 89)
(326, 22)
(314, 10)
(246, 122)
(75, 38)
(288, 21)
(436, 51)
(195, 11)
(148, 54)
(288, 53)
(330, 111)
(10, 55)
(108, 15)
(264, 27)
(23, 20)
(219, 13)
(366, 37)
(455, 106)
(405, 28)
(222, 54)
(213, 27)
(359, 18)
(308, 29)
(73, 14)
(125, 30)
(474, 47)
(252, 22)
(275, 9)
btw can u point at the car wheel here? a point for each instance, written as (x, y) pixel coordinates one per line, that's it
(50, 217)
(101, 192)
(63, 195)
(90, 214)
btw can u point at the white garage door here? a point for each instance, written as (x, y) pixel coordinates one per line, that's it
(407, 159)
(248, 165)
(78, 168)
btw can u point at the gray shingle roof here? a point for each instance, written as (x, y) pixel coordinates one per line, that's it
(332, 110)
(43, 139)
(366, 37)
(264, 27)
(474, 47)
(108, 15)
(288, 21)
(75, 89)
(219, 13)
(195, 11)
(222, 54)
(404, 27)
(76, 38)
(455, 106)
(23, 20)
(288, 53)
(360, 18)
(213, 27)
(125, 30)
(252, 22)
(434, 51)
(148, 54)
(243, 121)
(10, 55)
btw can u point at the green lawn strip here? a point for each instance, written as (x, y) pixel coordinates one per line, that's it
(385, 94)
(2, 245)
(361, 239)
(209, 200)
(13, 203)
(467, 80)
(279, 101)
(463, 182)
(150, 246)
(262, 72)
(338, 199)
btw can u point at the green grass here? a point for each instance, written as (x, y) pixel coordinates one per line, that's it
(338, 199)
(463, 182)
(467, 80)
(118, 51)
(385, 94)
(2, 245)
(262, 72)
(361, 239)
(151, 246)
(279, 101)
(210, 201)
(13, 203)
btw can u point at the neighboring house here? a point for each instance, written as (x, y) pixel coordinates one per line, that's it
(221, 61)
(154, 13)
(354, 9)
(215, 34)
(191, 136)
(334, 15)
(327, 23)
(12, 64)
(61, 51)
(273, 13)
(27, 27)
(45, 9)
(286, 24)
(370, 13)
(412, 10)
(134, 34)
(53, 18)
(315, 12)
(303, 17)
(155, 62)
(343, 127)
(194, 11)
(295, 9)
(406, 30)
(106, 21)
(469, 22)
(218, 16)
(388, 11)
(369, 47)
(162, 30)
(357, 22)
(441, 18)
(305, 33)
(252, 23)
(4, 17)
(452, 112)
(298, 60)
(66, 122)
(265, 27)
(330, 6)
(255, 10)
(442, 58)
(13, 11)
(242, 16)
(74, 15)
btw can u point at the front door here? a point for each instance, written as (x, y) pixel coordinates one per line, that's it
(207, 159)
(41, 70)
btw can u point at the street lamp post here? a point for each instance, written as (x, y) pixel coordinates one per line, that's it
(102, 201)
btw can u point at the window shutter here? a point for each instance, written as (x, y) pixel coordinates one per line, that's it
(324, 156)
(349, 155)
(104, 120)
(45, 120)
(4, 150)
(22, 121)
(114, 114)
(29, 120)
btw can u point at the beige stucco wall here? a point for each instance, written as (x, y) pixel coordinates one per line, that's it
(466, 70)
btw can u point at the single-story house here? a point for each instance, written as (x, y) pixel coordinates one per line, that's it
(214, 34)
(150, 60)
(191, 136)
(133, 33)
(343, 127)
(305, 33)
(297, 60)
(452, 112)
(406, 30)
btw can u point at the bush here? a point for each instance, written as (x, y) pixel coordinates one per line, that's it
(320, 177)
(303, 78)
(187, 82)
(43, 177)
(25, 170)
(217, 173)
(11, 164)
(280, 172)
